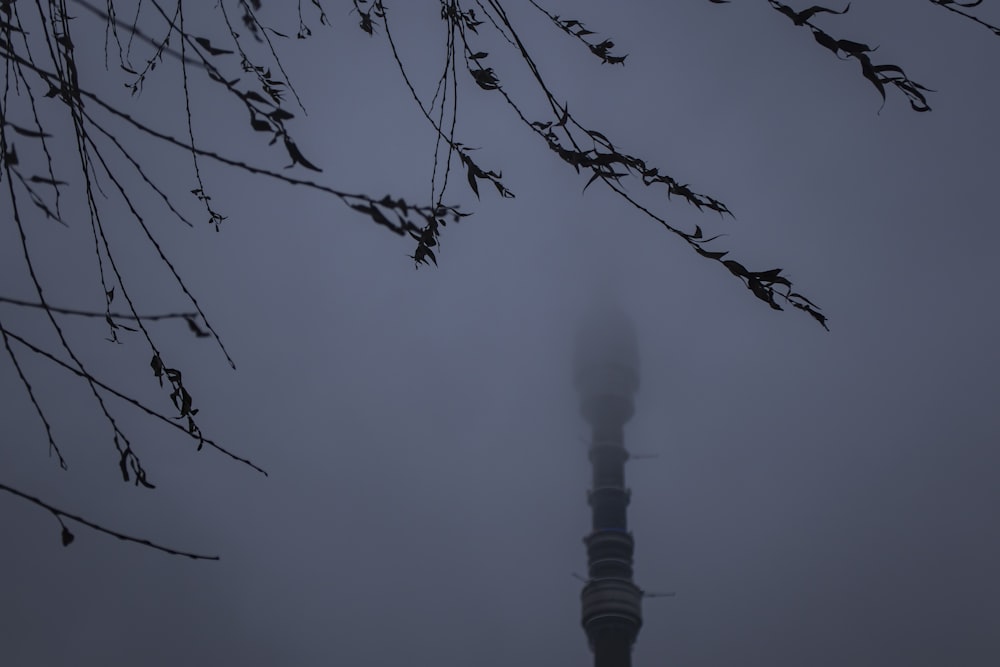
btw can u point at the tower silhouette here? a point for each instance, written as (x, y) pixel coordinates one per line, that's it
(606, 375)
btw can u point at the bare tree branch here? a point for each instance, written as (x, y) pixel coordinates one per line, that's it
(68, 537)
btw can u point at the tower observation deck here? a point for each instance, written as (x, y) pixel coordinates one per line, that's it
(606, 374)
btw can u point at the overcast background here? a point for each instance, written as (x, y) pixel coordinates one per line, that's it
(817, 498)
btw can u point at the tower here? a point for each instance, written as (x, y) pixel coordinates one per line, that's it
(606, 374)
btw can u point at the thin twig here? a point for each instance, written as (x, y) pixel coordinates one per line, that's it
(68, 537)
(94, 313)
(135, 32)
(202, 440)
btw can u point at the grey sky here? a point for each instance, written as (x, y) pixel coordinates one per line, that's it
(818, 498)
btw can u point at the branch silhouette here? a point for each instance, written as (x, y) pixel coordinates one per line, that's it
(956, 7)
(50, 107)
(67, 536)
(94, 313)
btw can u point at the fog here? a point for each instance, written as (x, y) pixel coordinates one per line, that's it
(812, 497)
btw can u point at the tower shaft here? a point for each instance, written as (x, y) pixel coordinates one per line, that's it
(611, 602)
(606, 376)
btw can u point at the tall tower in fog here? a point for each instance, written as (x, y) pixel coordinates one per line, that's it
(606, 370)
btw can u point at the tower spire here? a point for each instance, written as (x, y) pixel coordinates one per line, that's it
(606, 374)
